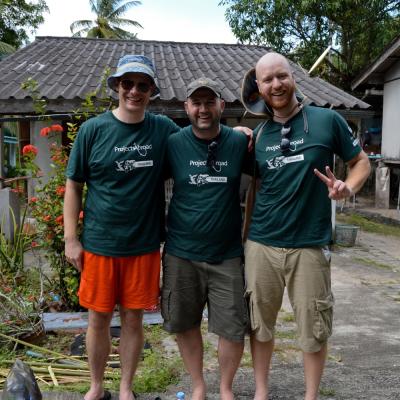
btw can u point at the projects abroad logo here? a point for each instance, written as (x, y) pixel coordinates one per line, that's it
(141, 150)
(203, 179)
(293, 145)
(131, 165)
(200, 163)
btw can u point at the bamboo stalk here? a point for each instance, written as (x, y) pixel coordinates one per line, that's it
(54, 353)
(58, 366)
(53, 376)
(67, 372)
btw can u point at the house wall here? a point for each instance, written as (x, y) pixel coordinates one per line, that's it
(391, 114)
(43, 145)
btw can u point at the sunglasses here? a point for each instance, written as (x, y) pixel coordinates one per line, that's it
(212, 154)
(285, 142)
(128, 85)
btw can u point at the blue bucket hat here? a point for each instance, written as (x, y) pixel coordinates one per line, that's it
(133, 63)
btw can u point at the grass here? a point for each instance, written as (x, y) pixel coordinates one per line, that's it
(327, 391)
(288, 317)
(285, 335)
(369, 226)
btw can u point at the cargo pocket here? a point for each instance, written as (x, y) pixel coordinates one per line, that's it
(323, 317)
(165, 304)
(254, 323)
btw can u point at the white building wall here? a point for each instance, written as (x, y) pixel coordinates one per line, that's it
(391, 114)
(43, 159)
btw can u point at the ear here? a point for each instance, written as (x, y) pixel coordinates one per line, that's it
(186, 107)
(222, 105)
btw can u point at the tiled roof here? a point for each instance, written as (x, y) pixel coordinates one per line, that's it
(67, 69)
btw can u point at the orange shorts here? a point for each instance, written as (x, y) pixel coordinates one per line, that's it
(133, 282)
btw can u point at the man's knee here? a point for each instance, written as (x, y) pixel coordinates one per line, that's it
(131, 319)
(99, 320)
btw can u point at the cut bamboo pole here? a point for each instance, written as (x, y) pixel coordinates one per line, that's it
(53, 376)
(42, 349)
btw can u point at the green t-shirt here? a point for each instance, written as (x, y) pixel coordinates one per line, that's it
(292, 207)
(204, 217)
(122, 165)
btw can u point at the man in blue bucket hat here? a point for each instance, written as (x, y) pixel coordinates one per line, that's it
(119, 155)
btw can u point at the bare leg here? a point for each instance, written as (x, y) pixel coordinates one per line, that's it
(229, 356)
(190, 345)
(261, 353)
(313, 368)
(131, 345)
(98, 348)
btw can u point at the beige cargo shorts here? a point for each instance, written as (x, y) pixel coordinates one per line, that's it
(306, 274)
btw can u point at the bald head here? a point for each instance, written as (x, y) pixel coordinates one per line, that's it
(276, 83)
(271, 59)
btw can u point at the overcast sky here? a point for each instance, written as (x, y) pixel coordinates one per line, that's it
(167, 20)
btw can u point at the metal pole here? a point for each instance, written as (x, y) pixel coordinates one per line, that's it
(2, 177)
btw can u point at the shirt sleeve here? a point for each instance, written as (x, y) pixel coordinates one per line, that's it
(346, 145)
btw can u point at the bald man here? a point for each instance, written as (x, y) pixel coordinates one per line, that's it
(291, 222)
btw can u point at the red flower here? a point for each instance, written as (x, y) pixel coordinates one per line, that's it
(29, 149)
(60, 220)
(33, 200)
(56, 128)
(47, 218)
(81, 215)
(60, 191)
(45, 131)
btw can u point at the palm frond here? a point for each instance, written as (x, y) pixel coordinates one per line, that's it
(123, 8)
(123, 34)
(83, 24)
(125, 22)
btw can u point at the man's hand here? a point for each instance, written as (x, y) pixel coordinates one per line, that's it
(337, 189)
(248, 132)
(73, 253)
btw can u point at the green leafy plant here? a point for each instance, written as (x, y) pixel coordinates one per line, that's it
(12, 250)
(21, 305)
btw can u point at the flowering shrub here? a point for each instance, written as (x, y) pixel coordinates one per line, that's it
(47, 205)
(47, 209)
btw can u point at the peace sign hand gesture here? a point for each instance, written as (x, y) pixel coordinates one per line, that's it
(337, 189)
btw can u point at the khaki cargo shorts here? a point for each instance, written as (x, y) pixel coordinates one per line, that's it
(306, 274)
(189, 285)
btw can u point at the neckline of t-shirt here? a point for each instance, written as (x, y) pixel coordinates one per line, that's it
(206, 141)
(289, 121)
(128, 124)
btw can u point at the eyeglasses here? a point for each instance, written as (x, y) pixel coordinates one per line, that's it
(142, 87)
(212, 154)
(285, 142)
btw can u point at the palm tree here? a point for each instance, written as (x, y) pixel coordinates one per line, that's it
(108, 22)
